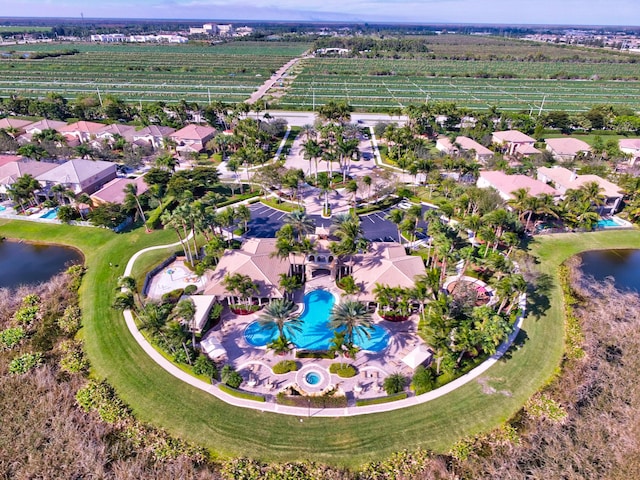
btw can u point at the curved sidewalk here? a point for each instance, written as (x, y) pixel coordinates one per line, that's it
(306, 412)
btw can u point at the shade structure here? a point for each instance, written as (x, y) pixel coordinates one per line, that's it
(417, 356)
(212, 347)
(203, 304)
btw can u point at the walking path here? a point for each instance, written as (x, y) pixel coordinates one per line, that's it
(302, 412)
(258, 94)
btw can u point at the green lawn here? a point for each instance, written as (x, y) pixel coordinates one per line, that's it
(157, 397)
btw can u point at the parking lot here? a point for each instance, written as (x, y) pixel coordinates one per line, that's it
(266, 221)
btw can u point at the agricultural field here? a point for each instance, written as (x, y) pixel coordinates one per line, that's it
(141, 73)
(472, 71)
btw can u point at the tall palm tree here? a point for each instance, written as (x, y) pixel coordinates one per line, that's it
(353, 319)
(186, 310)
(396, 216)
(131, 192)
(312, 151)
(279, 313)
(301, 223)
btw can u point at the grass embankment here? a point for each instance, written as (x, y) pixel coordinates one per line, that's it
(159, 398)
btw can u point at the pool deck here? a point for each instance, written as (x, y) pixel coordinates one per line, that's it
(174, 276)
(255, 363)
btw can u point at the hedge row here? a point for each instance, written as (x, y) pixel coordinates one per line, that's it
(241, 393)
(378, 400)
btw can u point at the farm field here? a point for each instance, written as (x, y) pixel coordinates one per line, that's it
(139, 73)
(370, 93)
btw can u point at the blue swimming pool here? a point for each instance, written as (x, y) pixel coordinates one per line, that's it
(50, 214)
(608, 223)
(2, 208)
(315, 333)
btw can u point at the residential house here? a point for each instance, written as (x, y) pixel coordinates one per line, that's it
(11, 171)
(566, 148)
(44, 124)
(514, 142)
(14, 126)
(254, 259)
(630, 146)
(507, 184)
(108, 132)
(464, 144)
(153, 136)
(80, 176)
(564, 179)
(81, 131)
(114, 191)
(192, 138)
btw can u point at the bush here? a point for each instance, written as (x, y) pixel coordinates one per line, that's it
(324, 354)
(173, 296)
(71, 319)
(285, 366)
(423, 380)
(395, 383)
(11, 337)
(190, 289)
(27, 314)
(230, 377)
(153, 219)
(76, 272)
(242, 394)
(25, 362)
(101, 398)
(204, 366)
(73, 359)
(325, 401)
(343, 370)
(378, 400)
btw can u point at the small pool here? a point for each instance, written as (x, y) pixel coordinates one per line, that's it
(608, 223)
(315, 333)
(312, 378)
(51, 214)
(2, 208)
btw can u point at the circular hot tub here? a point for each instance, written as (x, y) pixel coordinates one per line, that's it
(313, 379)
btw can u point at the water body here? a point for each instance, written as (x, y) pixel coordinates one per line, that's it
(622, 265)
(27, 263)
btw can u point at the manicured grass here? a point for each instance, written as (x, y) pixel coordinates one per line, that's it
(159, 398)
(283, 205)
(378, 400)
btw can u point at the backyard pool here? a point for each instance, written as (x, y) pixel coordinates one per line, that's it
(50, 214)
(315, 333)
(608, 223)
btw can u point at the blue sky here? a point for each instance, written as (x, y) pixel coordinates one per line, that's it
(593, 12)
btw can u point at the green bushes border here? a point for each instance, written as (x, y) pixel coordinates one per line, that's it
(234, 392)
(363, 402)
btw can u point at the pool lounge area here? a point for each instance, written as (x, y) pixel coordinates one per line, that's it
(612, 222)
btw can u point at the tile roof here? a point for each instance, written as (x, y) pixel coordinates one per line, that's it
(76, 171)
(11, 171)
(252, 259)
(46, 124)
(513, 136)
(565, 178)
(388, 264)
(83, 127)
(629, 143)
(526, 149)
(125, 131)
(14, 123)
(509, 183)
(4, 159)
(193, 132)
(113, 192)
(467, 143)
(154, 131)
(567, 145)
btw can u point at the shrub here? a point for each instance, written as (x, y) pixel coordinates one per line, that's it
(25, 362)
(343, 370)
(204, 366)
(101, 398)
(30, 300)
(378, 400)
(324, 401)
(173, 296)
(73, 359)
(11, 337)
(325, 354)
(76, 272)
(285, 366)
(123, 301)
(190, 289)
(242, 394)
(230, 377)
(27, 314)
(395, 383)
(541, 406)
(423, 380)
(70, 320)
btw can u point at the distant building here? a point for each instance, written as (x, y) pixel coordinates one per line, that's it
(80, 176)
(631, 147)
(332, 51)
(515, 142)
(114, 191)
(464, 144)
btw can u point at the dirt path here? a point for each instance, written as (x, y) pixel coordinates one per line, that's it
(258, 94)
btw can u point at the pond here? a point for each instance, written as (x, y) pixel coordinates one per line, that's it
(26, 263)
(622, 265)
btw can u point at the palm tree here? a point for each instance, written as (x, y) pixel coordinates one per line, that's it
(396, 216)
(243, 213)
(279, 313)
(129, 283)
(301, 223)
(290, 283)
(186, 310)
(131, 192)
(167, 162)
(352, 318)
(312, 151)
(240, 285)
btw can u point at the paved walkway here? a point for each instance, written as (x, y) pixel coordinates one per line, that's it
(302, 412)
